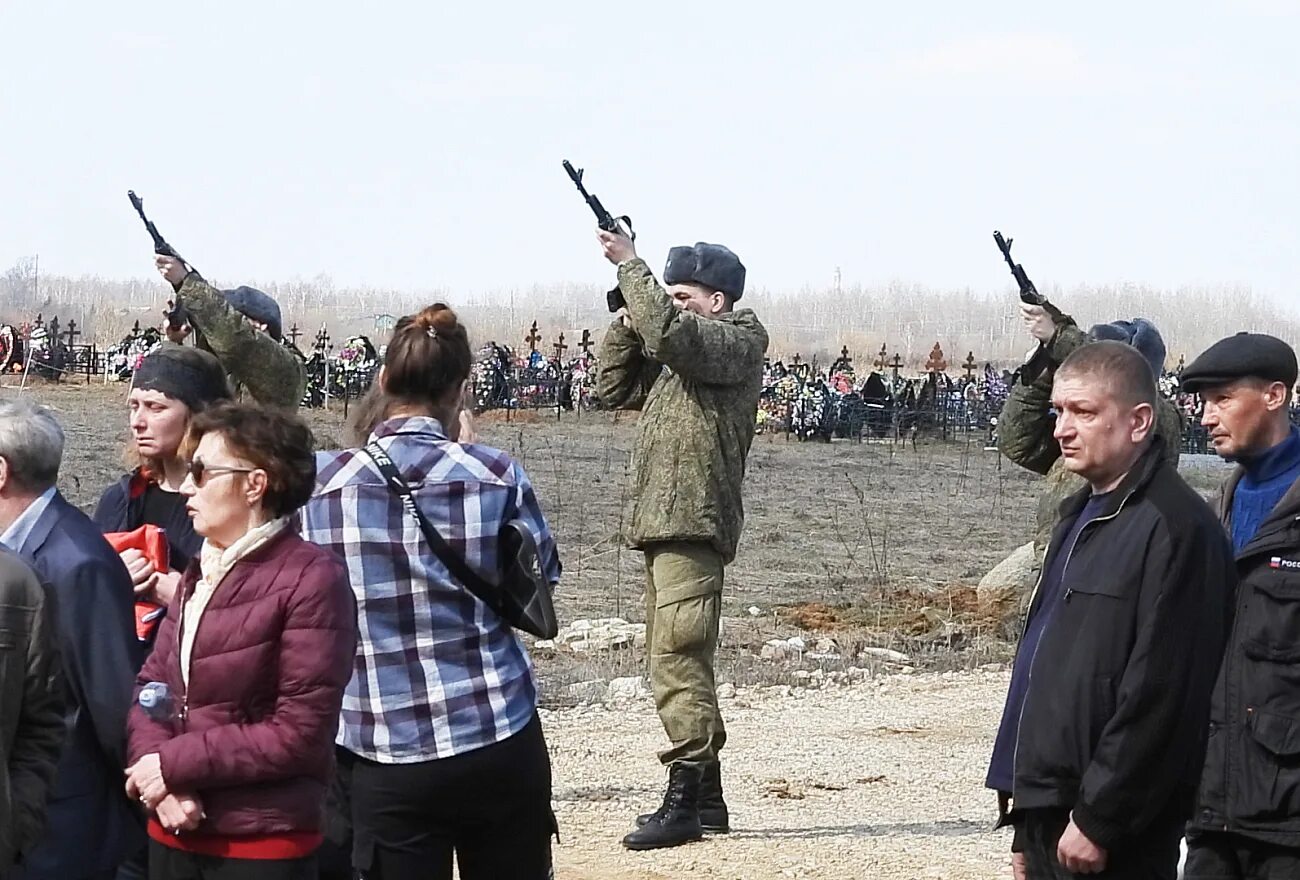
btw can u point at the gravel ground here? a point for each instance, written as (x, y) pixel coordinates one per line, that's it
(882, 779)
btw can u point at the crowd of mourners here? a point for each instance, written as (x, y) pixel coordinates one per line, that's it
(247, 630)
(261, 660)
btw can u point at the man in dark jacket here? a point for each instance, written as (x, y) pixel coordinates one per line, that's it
(1103, 732)
(92, 825)
(1247, 818)
(31, 708)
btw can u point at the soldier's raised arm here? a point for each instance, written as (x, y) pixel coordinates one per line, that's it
(240, 327)
(1026, 423)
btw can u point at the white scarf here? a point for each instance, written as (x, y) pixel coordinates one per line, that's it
(214, 564)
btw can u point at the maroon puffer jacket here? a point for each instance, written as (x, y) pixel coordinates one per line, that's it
(272, 654)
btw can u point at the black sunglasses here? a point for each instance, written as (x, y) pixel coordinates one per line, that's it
(198, 470)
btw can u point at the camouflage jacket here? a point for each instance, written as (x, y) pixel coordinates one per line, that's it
(270, 372)
(1026, 424)
(696, 381)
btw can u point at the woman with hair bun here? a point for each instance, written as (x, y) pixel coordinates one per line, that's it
(439, 735)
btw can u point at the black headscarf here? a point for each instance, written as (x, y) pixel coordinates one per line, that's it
(190, 375)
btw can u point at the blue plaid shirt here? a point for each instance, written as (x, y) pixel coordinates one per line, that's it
(437, 673)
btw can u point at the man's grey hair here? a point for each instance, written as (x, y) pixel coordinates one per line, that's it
(31, 441)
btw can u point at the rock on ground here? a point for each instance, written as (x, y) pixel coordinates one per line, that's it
(602, 634)
(1013, 576)
(626, 689)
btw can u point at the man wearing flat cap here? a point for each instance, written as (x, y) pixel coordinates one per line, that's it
(693, 365)
(242, 328)
(1026, 423)
(1247, 819)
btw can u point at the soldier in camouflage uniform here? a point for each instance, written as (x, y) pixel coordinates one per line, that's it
(1026, 423)
(242, 328)
(694, 368)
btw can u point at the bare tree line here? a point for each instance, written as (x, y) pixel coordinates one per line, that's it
(815, 323)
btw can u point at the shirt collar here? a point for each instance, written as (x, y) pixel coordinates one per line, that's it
(21, 529)
(409, 425)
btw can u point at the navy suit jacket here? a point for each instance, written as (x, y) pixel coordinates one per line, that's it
(91, 824)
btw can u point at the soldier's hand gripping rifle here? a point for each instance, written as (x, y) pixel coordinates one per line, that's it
(605, 221)
(176, 317)
(1034, 367)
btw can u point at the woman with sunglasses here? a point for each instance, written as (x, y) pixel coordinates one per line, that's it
(441, 749)
(171, 386)
(231, 742)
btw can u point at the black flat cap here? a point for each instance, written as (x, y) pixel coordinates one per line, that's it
(712, 265)
(1246, 355)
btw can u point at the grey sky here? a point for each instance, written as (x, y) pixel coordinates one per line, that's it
(416, 145)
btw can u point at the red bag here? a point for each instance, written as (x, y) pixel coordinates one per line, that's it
(152, 542)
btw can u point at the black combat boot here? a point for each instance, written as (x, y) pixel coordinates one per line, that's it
(714, 818)
(678, 820)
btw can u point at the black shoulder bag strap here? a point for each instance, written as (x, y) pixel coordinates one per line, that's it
(456, 564)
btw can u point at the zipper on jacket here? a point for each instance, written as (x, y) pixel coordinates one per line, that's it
(1020, 720)
(184, 713)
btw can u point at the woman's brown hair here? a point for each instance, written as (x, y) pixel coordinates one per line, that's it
(270, 439)
(428, 356)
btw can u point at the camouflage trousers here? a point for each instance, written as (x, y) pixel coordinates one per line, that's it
(683, 610)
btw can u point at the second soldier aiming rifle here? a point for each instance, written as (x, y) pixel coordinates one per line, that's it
(1034, 367)
(176, 317)
(606, 221)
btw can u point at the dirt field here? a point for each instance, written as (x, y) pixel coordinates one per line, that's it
(842, 524)
(873, 545)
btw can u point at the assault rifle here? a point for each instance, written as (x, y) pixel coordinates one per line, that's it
(1034, 367)
(176, 316)
(606, 221)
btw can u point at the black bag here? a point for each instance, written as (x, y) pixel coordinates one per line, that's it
(523, 598)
